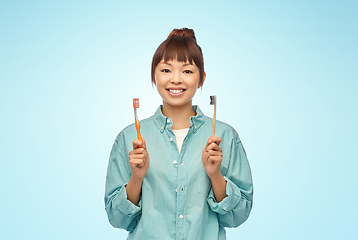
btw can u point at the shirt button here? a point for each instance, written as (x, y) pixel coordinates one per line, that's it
(161, 128)
(195, 127)
(182, 188)
(168, 121)
(182, 163)
(171, 139)
(181, 216)
(176, 190)
(174, 162)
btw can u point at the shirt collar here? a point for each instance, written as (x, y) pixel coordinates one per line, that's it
(162, 121)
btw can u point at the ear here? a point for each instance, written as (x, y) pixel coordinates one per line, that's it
(202, 83)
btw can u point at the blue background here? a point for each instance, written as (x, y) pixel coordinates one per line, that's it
(284, 72)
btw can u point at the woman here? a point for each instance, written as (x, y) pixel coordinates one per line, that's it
(180, 182)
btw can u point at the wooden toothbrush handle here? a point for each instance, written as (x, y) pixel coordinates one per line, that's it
(214, 117)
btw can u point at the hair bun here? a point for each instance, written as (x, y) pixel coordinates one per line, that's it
(183, 32)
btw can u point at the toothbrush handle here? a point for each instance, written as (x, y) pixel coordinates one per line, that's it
(214, 123)
(137, 126)
(214, 117)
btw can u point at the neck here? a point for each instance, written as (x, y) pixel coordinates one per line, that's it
(180, 115)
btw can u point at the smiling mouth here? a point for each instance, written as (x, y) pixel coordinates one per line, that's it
(176, 91)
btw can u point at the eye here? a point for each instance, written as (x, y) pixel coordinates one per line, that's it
(165, 70)
(187, 71)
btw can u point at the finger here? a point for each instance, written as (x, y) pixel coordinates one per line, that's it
(215, 159)
(137, 156)
(137, 144)
(142, 162)
(213, 146)
(215, 153)
(137, 151)
(216, 140)
(144, 144)
(208, 143)
(136, 162)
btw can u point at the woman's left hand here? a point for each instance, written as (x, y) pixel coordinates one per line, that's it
(212, 156)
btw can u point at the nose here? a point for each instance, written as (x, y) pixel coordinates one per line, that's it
(176, 78)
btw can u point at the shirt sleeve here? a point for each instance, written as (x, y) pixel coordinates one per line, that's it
(235, 208)
(121, 212)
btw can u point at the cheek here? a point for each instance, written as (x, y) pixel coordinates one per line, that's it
(196, 82)
(157, 79)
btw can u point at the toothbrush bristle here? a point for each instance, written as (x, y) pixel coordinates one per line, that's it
(212, 100)
(136, 102)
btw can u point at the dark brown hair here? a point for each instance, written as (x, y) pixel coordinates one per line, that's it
(180, 45)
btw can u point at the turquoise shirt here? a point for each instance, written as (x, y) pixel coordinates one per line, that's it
(177, 201)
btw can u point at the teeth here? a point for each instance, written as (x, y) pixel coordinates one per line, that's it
(176, 90)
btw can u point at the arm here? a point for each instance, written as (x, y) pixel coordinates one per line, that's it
(212, 158)
(218, 184)
(235, 208)
(121, 212)
(139, 162)
(134, 189)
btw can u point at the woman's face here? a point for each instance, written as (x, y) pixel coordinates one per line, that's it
(177, 82)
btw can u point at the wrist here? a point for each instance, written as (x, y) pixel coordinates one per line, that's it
(218, 184)
(134, 188)
(216, 176)
(135, 181)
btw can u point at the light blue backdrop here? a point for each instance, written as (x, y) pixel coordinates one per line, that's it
(284, 72)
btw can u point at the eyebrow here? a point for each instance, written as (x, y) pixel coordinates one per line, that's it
(165, 63)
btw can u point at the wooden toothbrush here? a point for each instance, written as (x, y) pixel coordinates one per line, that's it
(213, 102)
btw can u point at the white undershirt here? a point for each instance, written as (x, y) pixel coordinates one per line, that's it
(180, 135)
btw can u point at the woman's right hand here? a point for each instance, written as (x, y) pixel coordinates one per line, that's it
(139, 160)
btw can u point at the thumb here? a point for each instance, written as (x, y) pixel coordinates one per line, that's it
(144, 144)
(137, 143)
(208, 143)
